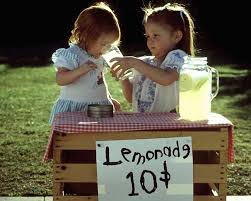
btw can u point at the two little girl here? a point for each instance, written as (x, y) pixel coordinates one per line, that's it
(154, 85)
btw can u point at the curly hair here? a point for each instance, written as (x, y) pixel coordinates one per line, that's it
(92, 22)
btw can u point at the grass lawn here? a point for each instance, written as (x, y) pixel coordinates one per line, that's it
(26, 97)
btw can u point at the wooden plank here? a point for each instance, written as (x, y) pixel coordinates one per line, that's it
(208, 173)
(57, 187)
(95, 198)
(224, 144)
(75, 198)
(214, 189)
(75, 173)
(209, 198)
(223, 156)
(201, 140)
(223, 189)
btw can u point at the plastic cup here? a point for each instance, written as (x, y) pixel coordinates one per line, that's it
(115, 52)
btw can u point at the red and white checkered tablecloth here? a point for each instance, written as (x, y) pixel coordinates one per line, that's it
(78, 122)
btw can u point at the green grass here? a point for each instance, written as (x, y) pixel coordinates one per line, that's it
(26, 97)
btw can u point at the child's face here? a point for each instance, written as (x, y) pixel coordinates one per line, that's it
(101, 45)
(160, 39)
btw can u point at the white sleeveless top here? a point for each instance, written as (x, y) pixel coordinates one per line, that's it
(90, 88)
(149, 96)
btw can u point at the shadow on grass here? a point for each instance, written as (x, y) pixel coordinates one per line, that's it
(236, 83)
(16, 62)
(37, 56)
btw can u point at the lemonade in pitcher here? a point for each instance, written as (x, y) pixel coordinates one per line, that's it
(196, 89)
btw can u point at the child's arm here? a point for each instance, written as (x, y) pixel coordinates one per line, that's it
(115, 103)
(127, 89)
(65, 76)
(163, 77)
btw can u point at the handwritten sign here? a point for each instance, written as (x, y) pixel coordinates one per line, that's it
(148, 169)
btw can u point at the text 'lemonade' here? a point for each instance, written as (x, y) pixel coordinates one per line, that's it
(195, 89)
(112, 53)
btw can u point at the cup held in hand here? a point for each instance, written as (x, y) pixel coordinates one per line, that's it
(115, 52)
(110, 55)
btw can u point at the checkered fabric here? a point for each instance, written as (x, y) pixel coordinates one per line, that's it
(79, 122)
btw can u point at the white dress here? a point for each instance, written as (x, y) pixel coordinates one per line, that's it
(90, 88)
(149, 96)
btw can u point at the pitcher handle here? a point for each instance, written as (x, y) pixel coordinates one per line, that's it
(217, 82)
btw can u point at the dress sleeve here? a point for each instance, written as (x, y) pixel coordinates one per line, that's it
(174, 60)
(105, 64)
(65, 58)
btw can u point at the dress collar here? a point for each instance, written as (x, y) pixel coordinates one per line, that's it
(83, 51)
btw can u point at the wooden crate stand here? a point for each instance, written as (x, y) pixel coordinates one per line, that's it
(75, 166)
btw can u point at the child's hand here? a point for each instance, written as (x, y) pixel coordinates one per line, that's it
(121, 65)
(89, 65)
(65, 76)
(116, 105)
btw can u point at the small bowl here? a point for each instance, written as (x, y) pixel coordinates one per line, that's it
(99, 111)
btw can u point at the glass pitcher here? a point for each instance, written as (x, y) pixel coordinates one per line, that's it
(195, 86)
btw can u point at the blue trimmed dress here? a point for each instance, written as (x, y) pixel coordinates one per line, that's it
(90, 88)
(149, 96)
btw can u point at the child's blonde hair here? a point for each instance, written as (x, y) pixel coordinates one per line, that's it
(178, 18)
(92, 22)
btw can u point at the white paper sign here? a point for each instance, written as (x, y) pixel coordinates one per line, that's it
(148, 169)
